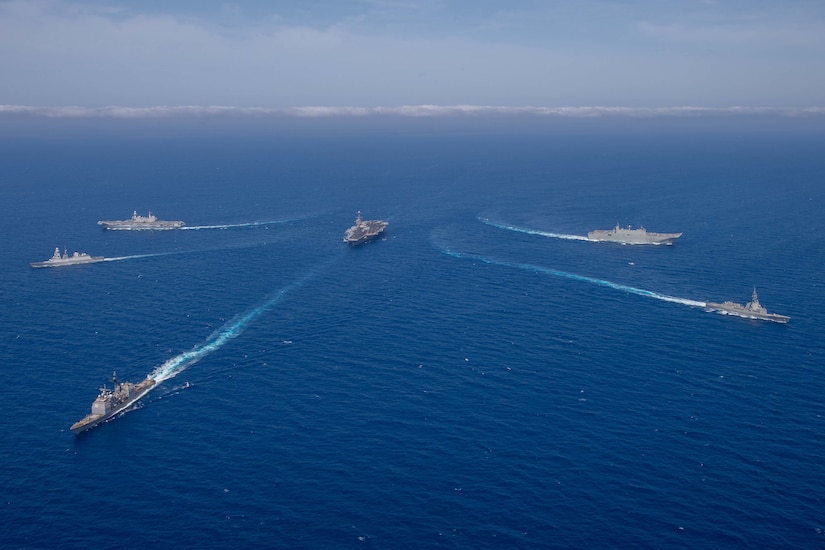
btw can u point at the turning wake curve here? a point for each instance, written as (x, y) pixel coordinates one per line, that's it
(557, 273)
(217, 339)
(533, 231)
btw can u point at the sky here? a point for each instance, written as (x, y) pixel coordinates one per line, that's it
(138, 57)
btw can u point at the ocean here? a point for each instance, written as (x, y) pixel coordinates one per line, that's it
(479, 377)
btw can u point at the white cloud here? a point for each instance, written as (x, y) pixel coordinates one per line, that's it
(416, 111)
(57, 53)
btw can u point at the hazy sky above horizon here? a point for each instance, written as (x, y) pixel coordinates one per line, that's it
(368, 53)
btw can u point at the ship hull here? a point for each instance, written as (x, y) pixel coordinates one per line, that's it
(649, 238)
(63, 263)
(364, 231)
(745, 313)
(92, 420)
(361, 240)
(131, 226)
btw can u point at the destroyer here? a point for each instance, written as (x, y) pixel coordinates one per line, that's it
(77, 258)
(111, 402)
(364, 231)
(751, 310)
(139, 223)
(632, 236)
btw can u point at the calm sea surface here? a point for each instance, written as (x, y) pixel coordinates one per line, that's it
(477, 378)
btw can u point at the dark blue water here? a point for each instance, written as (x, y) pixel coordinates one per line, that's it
(455, 384)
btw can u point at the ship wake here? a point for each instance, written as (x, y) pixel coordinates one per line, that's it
(247, 224)
(573, 276)
(532, 231)
(221, 336)
(134, 256)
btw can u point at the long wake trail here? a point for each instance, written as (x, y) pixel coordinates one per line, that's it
(246, 224)
(221, 336)
(532, 231)
(573, 276)
(119, 258)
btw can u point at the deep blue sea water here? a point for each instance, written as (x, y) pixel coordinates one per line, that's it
(461, 383)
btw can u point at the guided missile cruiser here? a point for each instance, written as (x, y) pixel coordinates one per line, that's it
(111, 402)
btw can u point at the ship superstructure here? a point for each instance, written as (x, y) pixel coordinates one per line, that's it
(141, 223)
(364, 230)
(751, 310)
(58, 261)
(627, 235)
(113, 401)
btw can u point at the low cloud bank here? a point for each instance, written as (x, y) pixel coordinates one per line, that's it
(414, 111)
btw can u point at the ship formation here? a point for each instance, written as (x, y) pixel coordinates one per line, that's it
(140, 223)
(364, 230)
(626, 235)
(751, 310)
(58, 261)
(113, 401)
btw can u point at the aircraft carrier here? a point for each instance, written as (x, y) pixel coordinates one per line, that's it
(140, 223)
(364, 230)
(58, 261)
(632, 236)
(111, 402)
(751, 310)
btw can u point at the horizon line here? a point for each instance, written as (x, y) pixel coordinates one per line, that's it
(412, 111)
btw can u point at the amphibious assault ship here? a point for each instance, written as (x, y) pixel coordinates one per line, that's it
(632, 236)
(364, 231)
(77, 258)
(751, 310)
(140, 223)
(111, 402)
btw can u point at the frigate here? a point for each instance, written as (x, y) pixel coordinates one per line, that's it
(626, 235)
(141, 223)
(364, 230)
(58, 261)
(751, 310)
(113, 401)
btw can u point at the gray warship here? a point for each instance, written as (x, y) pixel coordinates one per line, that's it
(140, 223)
(364, 231)
(58, 261)
(751, 310)
(632, 236)
(111, 402)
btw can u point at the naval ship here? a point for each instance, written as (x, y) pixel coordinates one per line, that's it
(632, 236)
(751, 310)
(111, 402)
(139, 223)
(77, 258)
(364, 231)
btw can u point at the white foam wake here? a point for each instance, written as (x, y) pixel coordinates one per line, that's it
(573, 276)
(246, 224)
(533, 231)
(217, 339)
(119, 258)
